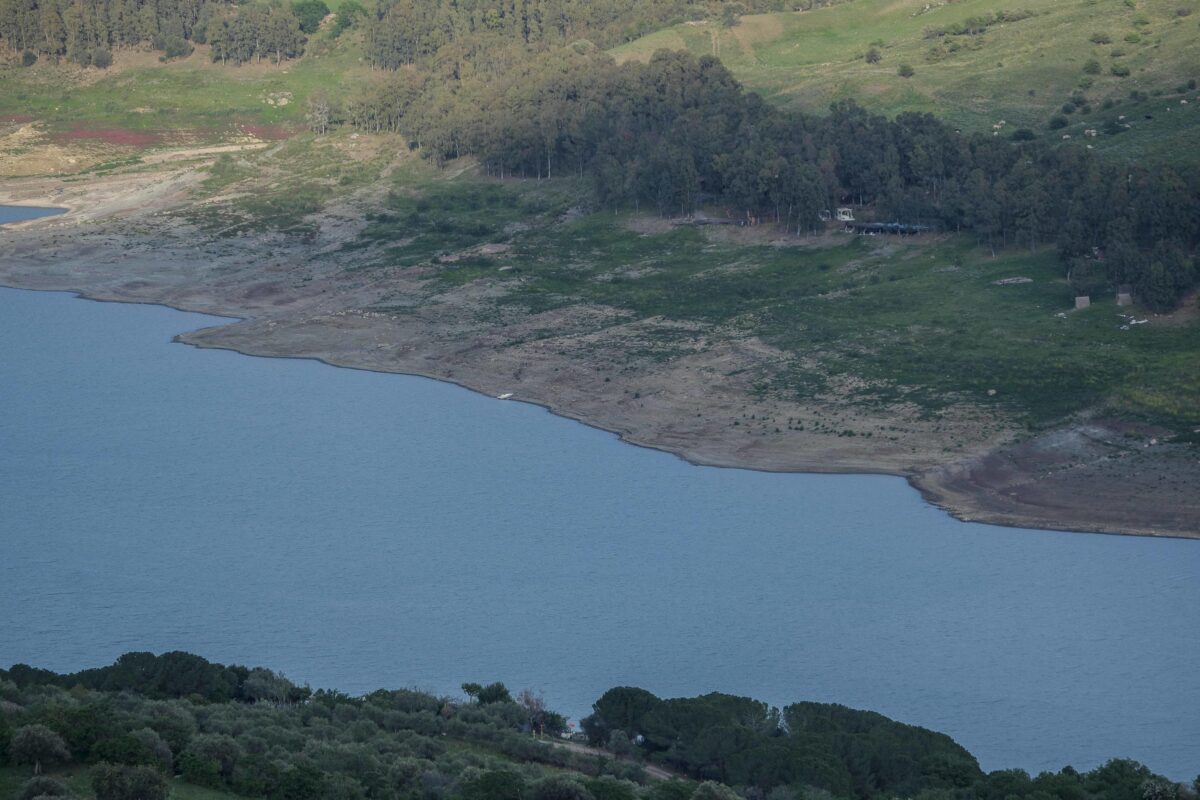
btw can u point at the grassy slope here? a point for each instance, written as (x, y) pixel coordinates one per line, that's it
(194, 96)
(1020, 72)
(920, 321)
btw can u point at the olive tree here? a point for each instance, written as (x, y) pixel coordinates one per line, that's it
(37, 745)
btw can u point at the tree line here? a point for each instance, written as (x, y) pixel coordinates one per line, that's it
(87, 31)
(815, 749)
(479, 32)
(148, 719)
(680, 131)
(145, 720)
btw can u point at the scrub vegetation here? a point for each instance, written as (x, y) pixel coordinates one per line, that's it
(152, 727)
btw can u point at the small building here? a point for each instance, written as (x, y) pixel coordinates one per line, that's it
(1124, 295)
(845, 215)
(1082, 301)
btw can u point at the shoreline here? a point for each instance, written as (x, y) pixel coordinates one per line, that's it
(676, 408)
(928, 495)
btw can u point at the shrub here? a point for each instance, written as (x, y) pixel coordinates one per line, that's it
(101, 58)
(906, 71)
(175, 47)
(1133, 38)
(118, 782)
(28, 58)
(1068, 108)
(310, 13)
(1120, 70)
(37, 745)
(1092, 67)
(873, 56)
(348, 13)
(560, 788)
(41, 786)
(1100, 37)
(1023, 135)
(1057, 122)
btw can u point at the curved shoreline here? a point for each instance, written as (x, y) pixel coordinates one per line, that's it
(928, 493)
(328, 320)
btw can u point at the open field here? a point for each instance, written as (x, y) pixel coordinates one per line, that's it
(1021, 72)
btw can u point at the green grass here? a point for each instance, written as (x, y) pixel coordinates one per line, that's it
(915, 321)
(191, 96)
(1020, 72)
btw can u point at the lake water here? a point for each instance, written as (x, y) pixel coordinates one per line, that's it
(359, 530)
(22, 213)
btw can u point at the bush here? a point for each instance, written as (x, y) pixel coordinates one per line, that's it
(310, 13)
(28, 58)
(101, 58)
(174, 47)
(41, 786)
(1092, 67)
(1133, 38)
(560, 788)
(1099, 37)
(873, 56)
(1120, 70)
(906, 71)
(1057, 122)
(37, 745)
(1068, 108)
(119, 782)
(348, 14)
(1023, 135)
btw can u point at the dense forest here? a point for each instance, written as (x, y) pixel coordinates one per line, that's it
(86, 32)
(146, 719)
(679, 132)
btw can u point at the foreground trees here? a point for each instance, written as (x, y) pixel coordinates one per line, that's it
(401, 744)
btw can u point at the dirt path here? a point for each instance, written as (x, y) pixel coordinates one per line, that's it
(653, 770)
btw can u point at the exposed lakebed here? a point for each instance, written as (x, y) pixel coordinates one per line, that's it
(358, 530)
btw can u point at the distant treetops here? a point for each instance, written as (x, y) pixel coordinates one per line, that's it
(147, 719)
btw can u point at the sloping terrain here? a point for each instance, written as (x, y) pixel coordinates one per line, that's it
(1015, 63)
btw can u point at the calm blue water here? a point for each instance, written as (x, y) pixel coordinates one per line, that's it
(359, 530)
(22, 213)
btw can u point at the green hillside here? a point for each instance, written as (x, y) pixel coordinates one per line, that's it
(1021, 72)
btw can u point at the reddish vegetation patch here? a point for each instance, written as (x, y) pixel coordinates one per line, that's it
(268, 133)
(15, 119)
(122, 137)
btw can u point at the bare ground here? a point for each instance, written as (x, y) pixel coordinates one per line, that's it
(124, 241)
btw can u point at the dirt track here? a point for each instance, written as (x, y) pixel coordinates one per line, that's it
(122, 242)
